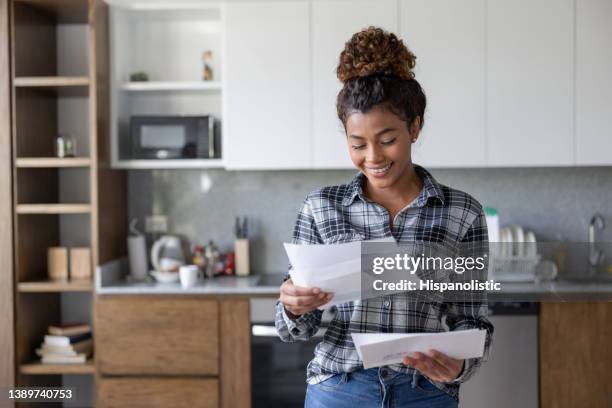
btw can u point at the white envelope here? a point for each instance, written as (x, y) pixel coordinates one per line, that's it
(332, 268)
(378, 349)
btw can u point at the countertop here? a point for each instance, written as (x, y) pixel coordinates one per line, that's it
(110, 279)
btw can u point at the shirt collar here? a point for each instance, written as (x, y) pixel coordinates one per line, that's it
(431, 188)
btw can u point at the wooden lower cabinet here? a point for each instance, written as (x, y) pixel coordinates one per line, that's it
(158, 392)
(173, 351)
(575, 354)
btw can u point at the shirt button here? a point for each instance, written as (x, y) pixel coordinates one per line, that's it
(386, 304)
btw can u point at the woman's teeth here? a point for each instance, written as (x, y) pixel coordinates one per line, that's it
(379, 170)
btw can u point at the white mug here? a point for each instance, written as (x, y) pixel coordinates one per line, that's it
(188, 274)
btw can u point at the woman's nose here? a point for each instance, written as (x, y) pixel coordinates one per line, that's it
(374, 155)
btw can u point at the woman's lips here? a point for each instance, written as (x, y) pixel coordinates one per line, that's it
(379, 172)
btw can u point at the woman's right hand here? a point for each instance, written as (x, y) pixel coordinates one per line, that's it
(298, 300)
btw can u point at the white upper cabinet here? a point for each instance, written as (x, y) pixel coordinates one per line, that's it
(267, 100)
(593, 82)
(333, 24)
(448, 40)
(530, 80)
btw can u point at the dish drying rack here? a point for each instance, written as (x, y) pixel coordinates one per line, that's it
(513, 268)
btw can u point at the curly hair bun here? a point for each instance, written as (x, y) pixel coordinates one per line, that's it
(375, 51)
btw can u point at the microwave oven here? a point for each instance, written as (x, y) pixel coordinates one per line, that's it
(172, 137)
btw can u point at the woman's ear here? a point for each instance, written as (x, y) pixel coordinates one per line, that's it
(415, 129)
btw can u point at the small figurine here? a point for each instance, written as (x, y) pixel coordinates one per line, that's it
(207, 72)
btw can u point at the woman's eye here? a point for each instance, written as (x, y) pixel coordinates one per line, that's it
(388, 142)
(358, 147)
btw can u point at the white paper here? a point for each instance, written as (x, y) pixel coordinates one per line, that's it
(332, 268)
(378, 349)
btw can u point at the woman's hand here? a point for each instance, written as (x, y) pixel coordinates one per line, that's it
(435, 365)
(298, 300)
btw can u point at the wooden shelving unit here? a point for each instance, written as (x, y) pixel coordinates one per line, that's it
(59, 85)
(53, 208)
(51, 162)
(37, 368)
(51, 286)
(50, 81)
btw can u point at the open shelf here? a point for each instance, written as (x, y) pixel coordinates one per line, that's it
(51, 286)
(51, 162)
(37, 368)
(51, 81)
(171, 86)
(53, 208)
(62, 11)
(170, 164)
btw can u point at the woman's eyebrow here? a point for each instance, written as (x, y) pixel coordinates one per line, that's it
(380, 133)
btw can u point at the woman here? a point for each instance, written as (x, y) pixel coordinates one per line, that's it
(381, 106)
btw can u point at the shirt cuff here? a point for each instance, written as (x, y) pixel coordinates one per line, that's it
(295, 327)
(468, 364)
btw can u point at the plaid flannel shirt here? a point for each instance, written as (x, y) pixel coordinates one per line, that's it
(342, 213)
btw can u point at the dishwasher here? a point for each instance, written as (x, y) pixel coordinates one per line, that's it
(508, 379)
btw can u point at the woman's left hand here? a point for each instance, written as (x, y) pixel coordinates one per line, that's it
(435, 365)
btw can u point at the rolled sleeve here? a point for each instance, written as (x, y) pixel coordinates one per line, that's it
(306, 325)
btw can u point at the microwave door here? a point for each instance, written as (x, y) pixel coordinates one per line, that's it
(162, 141)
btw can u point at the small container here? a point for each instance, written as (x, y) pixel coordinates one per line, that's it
(60, 146)
(69, 146)
(57, 263)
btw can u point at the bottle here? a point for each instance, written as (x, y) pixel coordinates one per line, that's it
(492, 223)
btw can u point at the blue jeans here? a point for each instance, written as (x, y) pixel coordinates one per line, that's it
(377, 388)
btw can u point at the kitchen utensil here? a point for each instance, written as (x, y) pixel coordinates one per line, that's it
(518, 237)
(165, 277)
(167, 254)
(188, 275)
(241, 228)
(137, 253)
(531, 248)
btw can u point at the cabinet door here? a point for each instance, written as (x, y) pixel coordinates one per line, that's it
(267, 85)
(157, 392)
(593, 82)
(448, 39)
(530, 80)
(333, 23)
(157, 335)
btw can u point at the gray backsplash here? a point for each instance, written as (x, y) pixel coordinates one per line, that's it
(202, 204)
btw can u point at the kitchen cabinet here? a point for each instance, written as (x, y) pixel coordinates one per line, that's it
(163, 350)
(332, 26)
(267, 109)
(575, 354)
(140, 335)
(593, 82)
(448, 39)
(530, 79)
(156, 392)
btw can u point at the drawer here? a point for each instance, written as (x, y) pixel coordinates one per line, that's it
(157, 335)
(157, 392)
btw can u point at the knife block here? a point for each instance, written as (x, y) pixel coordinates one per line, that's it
(241, 250)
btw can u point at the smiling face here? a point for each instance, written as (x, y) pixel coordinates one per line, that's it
(380, 143)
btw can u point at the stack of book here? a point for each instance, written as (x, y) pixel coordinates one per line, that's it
(68, 344)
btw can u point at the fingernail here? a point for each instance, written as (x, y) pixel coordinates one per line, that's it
(316, 291)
